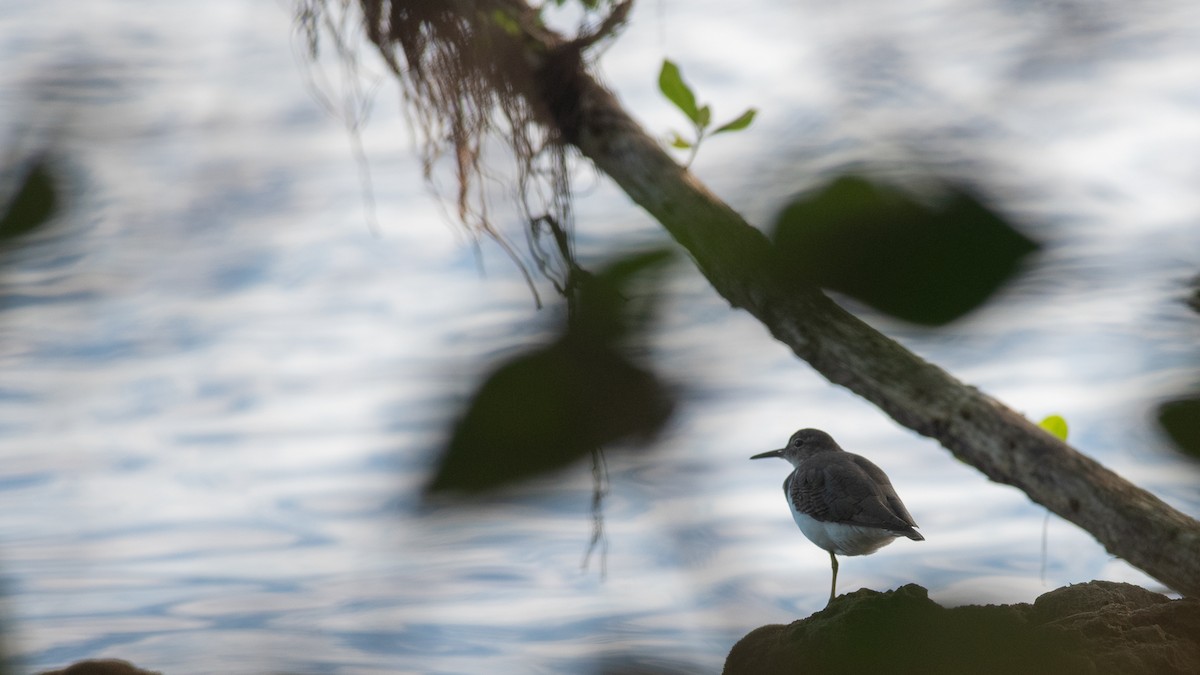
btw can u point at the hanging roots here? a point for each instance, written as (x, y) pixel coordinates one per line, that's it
(474, 83)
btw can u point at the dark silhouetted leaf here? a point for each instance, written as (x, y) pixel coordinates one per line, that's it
(1180, 418)
(608, 310)
(32, 205)
(555, 404)
(925, 265)
(547, 409)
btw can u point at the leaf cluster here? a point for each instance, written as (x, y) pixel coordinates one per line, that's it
(671, 84)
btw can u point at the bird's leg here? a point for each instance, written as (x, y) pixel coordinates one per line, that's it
(833, 584)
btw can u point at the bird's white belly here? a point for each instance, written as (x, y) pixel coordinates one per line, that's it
(840, 538)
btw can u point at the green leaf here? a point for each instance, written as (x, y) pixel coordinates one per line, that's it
(680, 142)
(703, 117)
(506, 23)
(584, 391)
(34, 203)
(738, 124)
(671, 84)
(1056, 425)
(928, 262)
(1180, 418)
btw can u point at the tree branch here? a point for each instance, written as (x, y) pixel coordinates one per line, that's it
(744, 267)
(741, 265)
(979, 430)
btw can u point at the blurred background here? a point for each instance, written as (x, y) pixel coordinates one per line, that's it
(225, 379)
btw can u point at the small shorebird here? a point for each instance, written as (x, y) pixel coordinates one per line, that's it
(841, 502)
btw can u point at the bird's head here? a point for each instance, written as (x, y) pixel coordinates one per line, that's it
(802, 445)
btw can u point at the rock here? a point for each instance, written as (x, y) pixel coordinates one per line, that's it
(101, 667)
(1096, 628)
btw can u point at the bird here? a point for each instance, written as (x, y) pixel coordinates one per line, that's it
(841, 501)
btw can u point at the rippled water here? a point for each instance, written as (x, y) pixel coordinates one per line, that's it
(220, 389)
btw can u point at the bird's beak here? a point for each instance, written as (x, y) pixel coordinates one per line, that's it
(772, 453)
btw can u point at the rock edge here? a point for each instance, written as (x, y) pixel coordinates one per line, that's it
(1098, 627)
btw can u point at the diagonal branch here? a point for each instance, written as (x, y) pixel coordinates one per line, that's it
(739, 263)
(742, 265)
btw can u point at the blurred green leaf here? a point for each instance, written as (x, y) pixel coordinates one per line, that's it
(506, 23)
(1056, 425)
(680, 142)
(33, 204)
(1180, 418)
(703, 117)
(738, 124)
(610, 307)
(671, 84)
(925, 264)
(552, 405)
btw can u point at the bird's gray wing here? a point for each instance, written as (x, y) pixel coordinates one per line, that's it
(850, 489)
(887, 493)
